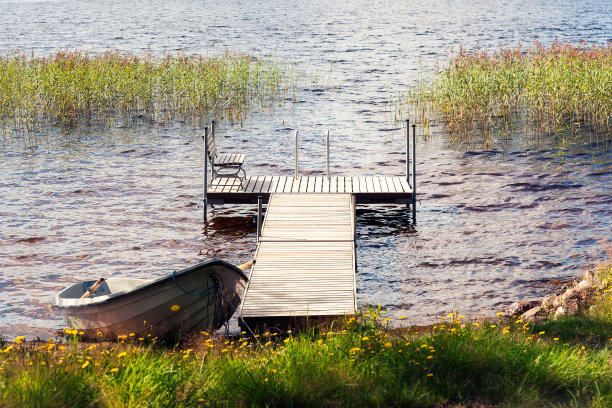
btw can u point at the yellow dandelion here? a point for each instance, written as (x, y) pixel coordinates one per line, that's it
(175, 308)
(122, 336)
(85, 364)
(556, 339)
(122, 354)
(388, 345)
(114, 370)
(493, 325)
(430, 375)
(402, 317)
(20, 339)
(500, 313)
(265, 380)
(365, 338)
(99, 333)
(429, 357)
(273, 371)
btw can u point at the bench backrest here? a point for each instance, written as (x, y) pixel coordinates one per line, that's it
(212, 149)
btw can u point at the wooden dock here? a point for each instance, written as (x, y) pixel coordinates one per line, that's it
(305, 260)
(381, 189)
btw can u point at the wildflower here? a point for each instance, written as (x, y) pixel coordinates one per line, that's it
(500, 313)
(556, 339)
(475, 324)
(424, 345)
(265, 380)
(429, 357)
(354, 350)
(365, 338)
(388, 345)
(122, 354)
(267, 344)
(273, 371)
(19, 339)
(114, 370)
(175, 308)
(402, 317)
(122, 336)
(430, 375)
(99, 333)
(541, 332)
(493, 325)
(85, 364)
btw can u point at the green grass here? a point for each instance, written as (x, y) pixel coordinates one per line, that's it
(75, 88)
(557, 91)
(359, 362)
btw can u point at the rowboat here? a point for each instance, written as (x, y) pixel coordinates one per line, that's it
(199, 298)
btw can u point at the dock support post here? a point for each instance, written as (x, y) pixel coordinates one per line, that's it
(414, 174)
(259, 211)
(408, 151)
(205, 194)
(328, 176)
(297, 160)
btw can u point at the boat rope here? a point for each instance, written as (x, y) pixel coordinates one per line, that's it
(214, 286)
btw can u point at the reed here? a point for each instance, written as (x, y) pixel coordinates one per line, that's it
(75, 88)
(557, 91)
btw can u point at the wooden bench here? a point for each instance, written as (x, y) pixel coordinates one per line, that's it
(225, 164)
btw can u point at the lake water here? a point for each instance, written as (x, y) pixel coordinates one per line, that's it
(492, 228)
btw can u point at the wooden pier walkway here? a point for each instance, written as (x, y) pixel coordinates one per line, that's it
(380, 189)
(305, 260)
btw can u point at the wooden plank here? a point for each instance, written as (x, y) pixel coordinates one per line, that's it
(369, 185)
(296, 185)
(318, 184)
(377, 187)
(325, 185)
(405, 187)
(333, 185)
(310, 188)
(288, 184)
(267, 183)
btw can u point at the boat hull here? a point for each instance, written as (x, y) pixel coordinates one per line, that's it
(199, 298)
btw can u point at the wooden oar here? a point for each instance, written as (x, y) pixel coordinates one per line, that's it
(93, 288)
(246, 265)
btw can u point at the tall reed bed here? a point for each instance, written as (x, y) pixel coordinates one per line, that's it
(552, 90)
(75, 87)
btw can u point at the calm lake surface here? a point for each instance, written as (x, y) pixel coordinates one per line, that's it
(492, 228)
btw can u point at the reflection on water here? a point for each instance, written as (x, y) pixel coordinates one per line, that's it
(492, 227)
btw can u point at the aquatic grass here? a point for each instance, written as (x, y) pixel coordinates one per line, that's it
(560, 91)
(76, 88)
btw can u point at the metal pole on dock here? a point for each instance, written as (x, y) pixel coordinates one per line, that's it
(204, 196)
(414, 174)
(408, 151)
(328, 176)
(297, 161)
(259, 210)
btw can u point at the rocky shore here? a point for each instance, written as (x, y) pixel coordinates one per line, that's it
(573, 299)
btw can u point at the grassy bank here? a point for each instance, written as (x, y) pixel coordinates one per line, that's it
(557, 90)
(360, 362)
(69, 88)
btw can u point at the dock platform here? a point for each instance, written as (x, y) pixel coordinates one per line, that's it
(305, 260)
(375, 190)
